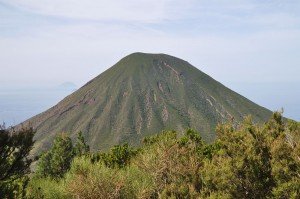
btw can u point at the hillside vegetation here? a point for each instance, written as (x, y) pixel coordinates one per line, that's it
(246, 160)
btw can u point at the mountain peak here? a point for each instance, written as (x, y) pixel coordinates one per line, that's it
(144, 57)
(140, 95)
(140, 64)
(142, 54)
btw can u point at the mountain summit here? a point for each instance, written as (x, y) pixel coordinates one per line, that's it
(140, 95)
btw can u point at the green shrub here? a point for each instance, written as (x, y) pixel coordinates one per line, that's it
(56, 162)
(86, 180)
(246, 161)
(119, 156)
(47, 188)
(15, 146)
(174, 164)
(81, 147)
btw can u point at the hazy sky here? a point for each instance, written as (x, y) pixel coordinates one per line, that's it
(52, 41)
(47, 42)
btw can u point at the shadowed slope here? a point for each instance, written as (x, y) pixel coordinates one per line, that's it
(140, 95)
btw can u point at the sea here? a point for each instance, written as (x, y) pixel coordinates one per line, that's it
(18, 105)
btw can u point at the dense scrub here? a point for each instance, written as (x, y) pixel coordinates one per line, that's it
(245, 161)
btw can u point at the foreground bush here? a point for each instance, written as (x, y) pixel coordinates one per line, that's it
(173, 163)
(87, 180)
(246, 161)
(15, 146)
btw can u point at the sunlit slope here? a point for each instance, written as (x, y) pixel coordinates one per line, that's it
(143, 94)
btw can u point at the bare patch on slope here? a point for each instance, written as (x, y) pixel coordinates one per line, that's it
(165, 114)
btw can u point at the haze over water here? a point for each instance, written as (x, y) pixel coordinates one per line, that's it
(18, 105)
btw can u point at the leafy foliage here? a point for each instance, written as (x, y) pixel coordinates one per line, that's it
(81, 147)
(14, 160)
(257, 161)
(245, 161)
(118, 157)
(57, 161)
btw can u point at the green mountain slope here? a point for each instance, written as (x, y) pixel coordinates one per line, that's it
(140, 95)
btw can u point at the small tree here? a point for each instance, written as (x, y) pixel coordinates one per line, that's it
(44, 168)
(62, 155)
(81, 148)
(14, 158)
(56, 162)
(118, 157)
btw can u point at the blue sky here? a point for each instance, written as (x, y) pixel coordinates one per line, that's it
(249, 42)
